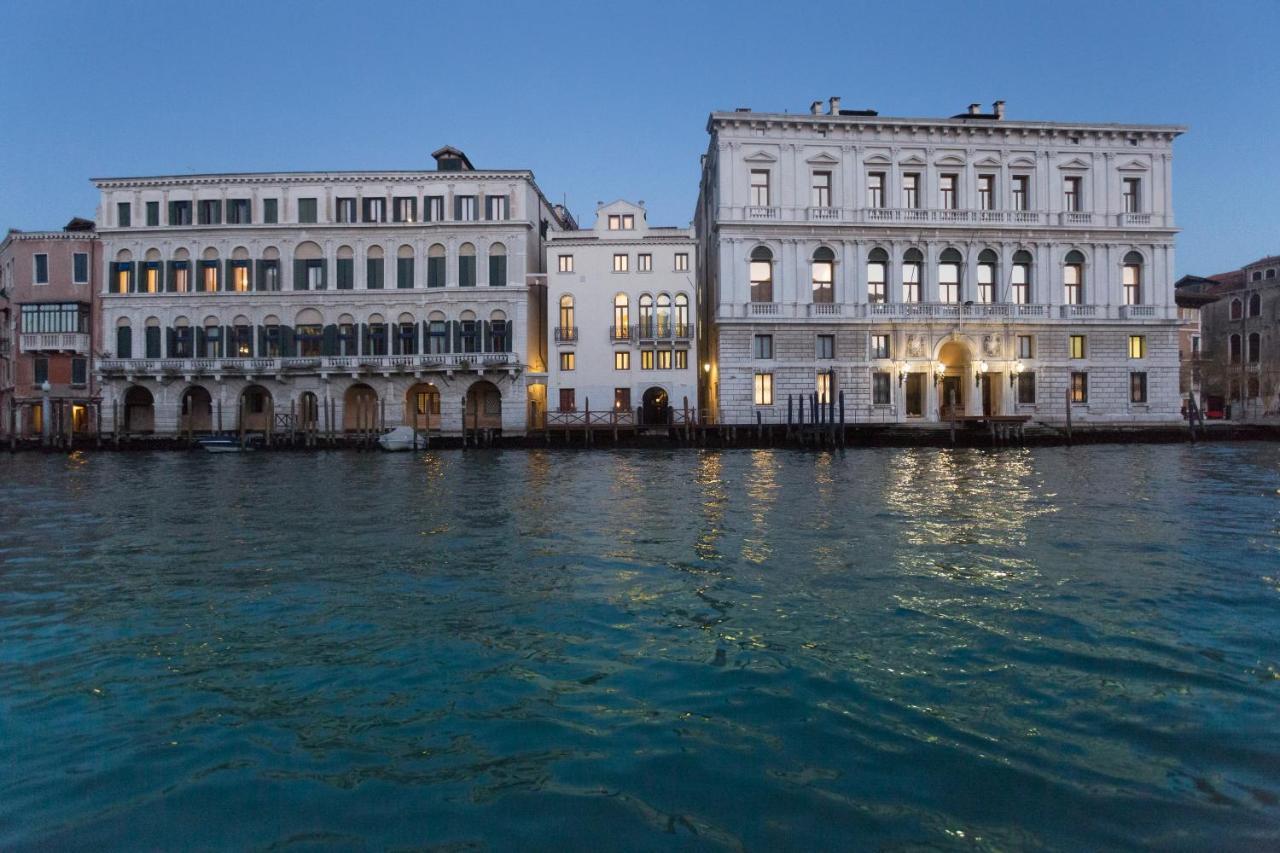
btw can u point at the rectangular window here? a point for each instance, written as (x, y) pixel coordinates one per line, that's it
(1079, 387)
(1071, 201)
(911, 281)
(433, 208)
(915, 395)
(437, 337)
(1077, 347)
(344, 209)
(644, 263)
(1132, 203)
(1021, 192)
(209, 212)
(1131, 277)
(466, 270)
(911, 190)
(435, 270)
(986, 192)
(1020, 281)
(315, 275)
(464, 208)
(405, 209)
(269, 275)
(880, 346)
(764, 389)
(567, 361)
(1026, 346)
(622, 399)
(270, 211)
(152, 342)
(947, 191)
(1026, 389)
(179, 213)
(40, 366)
(124, 214)
(567, 403)
(646, 359)
(876, 282)
(681, 360)
(404, 273)
(375, 210)
(55, 317)
(153, 213)
(764, 346)
(824, 387)
(209, 276)
(821, 189)
(495, 207)
(1137, 346)
(825, 347)
(566, 263)
(875, 189)
(40, 269)
(346, 273)
(622, 360)
(759, 188)
(881, 388)
(621, 222)
(1137, 387)
(664, 359)
(80, 268)
(239, 211)
(306, 210)
(620, 263)
(682, 261)
(240, 276)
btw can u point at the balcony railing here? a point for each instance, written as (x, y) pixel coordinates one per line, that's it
(622, 334)
(566, 334)
(76, 342)
(945, 311)
(1070, 312)
(933, 216)
(1135, 312)
(309, 364)
(663, 331)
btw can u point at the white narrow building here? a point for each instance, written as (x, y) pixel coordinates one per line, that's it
(621, 309)
(925, 267)
(264, 301)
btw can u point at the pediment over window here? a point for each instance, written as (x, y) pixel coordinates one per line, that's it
(949, 160)
(1074, 163)
(877, 160)
(823, 159)
(912, 160)
(989, 162)
(1022, 163)
(1134, 166)
(760, 157)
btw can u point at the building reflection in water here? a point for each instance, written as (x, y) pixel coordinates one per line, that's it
(711, 490)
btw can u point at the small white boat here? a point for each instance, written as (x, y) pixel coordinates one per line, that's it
(221, 444)
(400, 438)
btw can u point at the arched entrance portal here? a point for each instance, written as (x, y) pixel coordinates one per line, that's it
(139, 410)
(256, 409)
(360, 409)
(484, 406)
(196, 411)
(656, 406)
(422, 406)
(954, 358)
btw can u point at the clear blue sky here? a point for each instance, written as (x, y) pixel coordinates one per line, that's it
(604, 102)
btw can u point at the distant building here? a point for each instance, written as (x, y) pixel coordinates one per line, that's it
(1241, 339)
(928, 266)
(267, 301)
(50, 329)
(621, 305)
(1191, 294)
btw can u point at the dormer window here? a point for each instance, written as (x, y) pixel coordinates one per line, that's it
(622, 222)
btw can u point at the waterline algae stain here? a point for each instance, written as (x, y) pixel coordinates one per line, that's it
(1052, 648)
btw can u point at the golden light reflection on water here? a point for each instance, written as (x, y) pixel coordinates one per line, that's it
(712, 505)
(762, 489)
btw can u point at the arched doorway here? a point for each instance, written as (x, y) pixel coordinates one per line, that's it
(954, 359)
(308, 412)
(139, 410)
(360, 409)
(422, 406)
(484, 406)
(256, 409)
(656, 406)
(195, 413)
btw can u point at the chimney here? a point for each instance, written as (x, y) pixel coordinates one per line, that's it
(816, 108)
(999, 110)
(834, 105)
(973, 109)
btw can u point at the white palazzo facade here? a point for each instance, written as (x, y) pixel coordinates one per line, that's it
(265, 301)
(970, 265)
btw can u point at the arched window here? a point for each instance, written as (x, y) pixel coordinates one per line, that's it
(208, 280)
(149, 272)
(1255, 348)
(345, 271)
(1132, 278)
(877, 275)
(621, 318)
(1237, 309)
(1073, 278)
(404, 267)
(949, 276)
(179, 279)
(467, 265)
(122, 272)
(824, 267)
(566, 331)
(124, 338)
(308, 267)
(682, 315)
(1235, 349)
(987, 276)
(1020, 277)
(664, 315)
(1255, 304)
(497, 265)
(375, 267)
(912, 264)
(761, 275)
(646, 315)
(435, 265)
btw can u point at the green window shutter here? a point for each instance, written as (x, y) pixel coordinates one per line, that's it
(171, 342)
(198, 342)
(299, 275)
(287, 348)
(124, 342)
(466, 271)
(152, 342)
(329, 344)
(228, 274)
(346, 273)
(404, 273)
(169, 284)
(486, 342)
(375, 267)
(498, 271)
(435, 272)
(262, 340)
(259, 276)
(324, 274)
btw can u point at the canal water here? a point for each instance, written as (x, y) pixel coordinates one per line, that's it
(1068, 648)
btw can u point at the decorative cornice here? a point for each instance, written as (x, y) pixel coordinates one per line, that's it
(258, 178)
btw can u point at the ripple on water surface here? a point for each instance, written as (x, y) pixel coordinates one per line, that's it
(1065, 649)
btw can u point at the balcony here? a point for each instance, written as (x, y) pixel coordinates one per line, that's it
(1075, 312)
(825, 309)
(384, 364)
(663, 331)
(566, 334)
(622, 334)
(942, 217)
(73, 342)
(756, 212)
(1138, 312)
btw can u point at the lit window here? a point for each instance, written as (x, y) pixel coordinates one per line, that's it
(764, 389)
(622, 360)
(240, 277)
(824, 387)
(681, 360)
(1077, 346)
(646, 359)
(1079, 387)
(405, 209)
(761, 272)
(1137, 346)
(567, 361)
(566, 263)
(664, 359)
(621, 263)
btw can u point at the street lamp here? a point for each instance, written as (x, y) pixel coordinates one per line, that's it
(903, 370)
(938, 370)
(1014, 370)
(983, 367)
